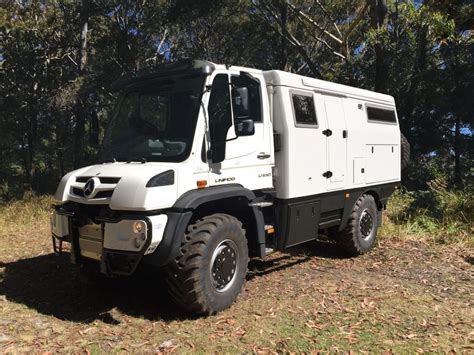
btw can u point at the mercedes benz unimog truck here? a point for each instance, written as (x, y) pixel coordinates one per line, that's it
(203, 166)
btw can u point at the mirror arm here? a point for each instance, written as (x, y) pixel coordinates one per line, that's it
(228, 140)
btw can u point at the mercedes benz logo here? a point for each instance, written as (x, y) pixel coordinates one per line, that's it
(89, 187)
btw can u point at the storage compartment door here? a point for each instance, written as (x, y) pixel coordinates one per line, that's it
(303, 222)
(383, 163)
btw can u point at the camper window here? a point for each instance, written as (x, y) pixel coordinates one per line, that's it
(304, 111)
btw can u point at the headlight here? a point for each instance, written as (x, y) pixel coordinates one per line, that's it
(138, 226)
(163, 179)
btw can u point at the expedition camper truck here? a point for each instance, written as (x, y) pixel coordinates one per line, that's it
(204, 165)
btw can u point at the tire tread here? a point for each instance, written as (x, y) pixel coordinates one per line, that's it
(181, 274)
(349, 240)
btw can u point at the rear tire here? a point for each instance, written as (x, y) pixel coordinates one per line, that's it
(360, 234)
(208, 274)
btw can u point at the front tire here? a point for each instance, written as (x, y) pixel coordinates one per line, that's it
(208, 274)
(360, 234)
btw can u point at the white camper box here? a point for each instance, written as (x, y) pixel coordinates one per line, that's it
(368, 155)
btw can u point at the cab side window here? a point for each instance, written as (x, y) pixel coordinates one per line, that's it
(220, 118)
(246, 98)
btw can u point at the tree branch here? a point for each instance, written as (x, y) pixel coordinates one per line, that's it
(310, 20)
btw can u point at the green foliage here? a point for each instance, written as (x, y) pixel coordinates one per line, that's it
(55, 99)
(438, 213)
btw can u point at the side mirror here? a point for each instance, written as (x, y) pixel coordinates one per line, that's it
(244, 128)
(240, 96)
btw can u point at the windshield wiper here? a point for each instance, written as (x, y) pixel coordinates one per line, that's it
(138, 159)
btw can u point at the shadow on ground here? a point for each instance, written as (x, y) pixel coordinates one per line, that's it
(294, 256)
(51, 285)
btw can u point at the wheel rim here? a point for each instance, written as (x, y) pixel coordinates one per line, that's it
(224, 265)
(366, 224)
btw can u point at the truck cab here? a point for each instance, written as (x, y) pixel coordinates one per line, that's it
(203, 166)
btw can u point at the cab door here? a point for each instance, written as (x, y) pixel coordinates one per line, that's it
(237, 97)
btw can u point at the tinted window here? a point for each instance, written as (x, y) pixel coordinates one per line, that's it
(220, 118)
(304, 109)
(247, 103)
(381, 115)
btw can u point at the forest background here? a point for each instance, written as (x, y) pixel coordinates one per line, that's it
(59, 59)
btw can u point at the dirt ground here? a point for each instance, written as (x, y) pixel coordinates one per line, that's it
(403, 296)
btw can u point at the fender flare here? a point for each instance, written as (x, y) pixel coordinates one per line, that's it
(180, 215)
(195, 198)
(381, 194)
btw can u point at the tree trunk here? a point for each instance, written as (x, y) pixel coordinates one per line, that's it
(84, 32)
(418, 68)
(81, 108)
(378, 21)
(457, 153)
(283, 41)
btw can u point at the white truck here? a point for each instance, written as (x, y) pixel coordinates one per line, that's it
(206, 165)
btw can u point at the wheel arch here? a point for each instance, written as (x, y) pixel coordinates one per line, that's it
(348, 208)
(376, 197)
(232, 199)
(238, 207)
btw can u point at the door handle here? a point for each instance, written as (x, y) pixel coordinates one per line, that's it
(263, 156)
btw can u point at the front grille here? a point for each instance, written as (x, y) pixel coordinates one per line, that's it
(78, 192)
(101, 194)
(106, 186)
(103, 179)
(104, 194)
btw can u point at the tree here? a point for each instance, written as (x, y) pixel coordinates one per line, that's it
(59, 59)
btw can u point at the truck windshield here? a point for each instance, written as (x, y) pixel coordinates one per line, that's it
(154, 122)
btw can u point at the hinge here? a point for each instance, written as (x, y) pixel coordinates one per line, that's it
(327, 174)
(327, 132)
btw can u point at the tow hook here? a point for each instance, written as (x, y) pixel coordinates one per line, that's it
(57, 248)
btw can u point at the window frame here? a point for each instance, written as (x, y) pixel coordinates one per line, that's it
(307, 94)
(260, 93)
(380, 107)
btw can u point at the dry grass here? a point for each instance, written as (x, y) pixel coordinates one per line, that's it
(24, 215)
(405, 296)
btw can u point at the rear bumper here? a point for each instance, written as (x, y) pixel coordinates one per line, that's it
(115, 243)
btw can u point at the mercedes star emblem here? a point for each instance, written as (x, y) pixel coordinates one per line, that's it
(89, 187)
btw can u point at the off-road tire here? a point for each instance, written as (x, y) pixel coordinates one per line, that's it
(352, 239)
(190, 279)
(404, 151)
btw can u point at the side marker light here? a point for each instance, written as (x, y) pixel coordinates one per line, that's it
(201, 184)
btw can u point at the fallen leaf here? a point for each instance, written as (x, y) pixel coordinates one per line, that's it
(167, 344)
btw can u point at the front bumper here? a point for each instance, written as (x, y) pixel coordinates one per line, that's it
(115, 242)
